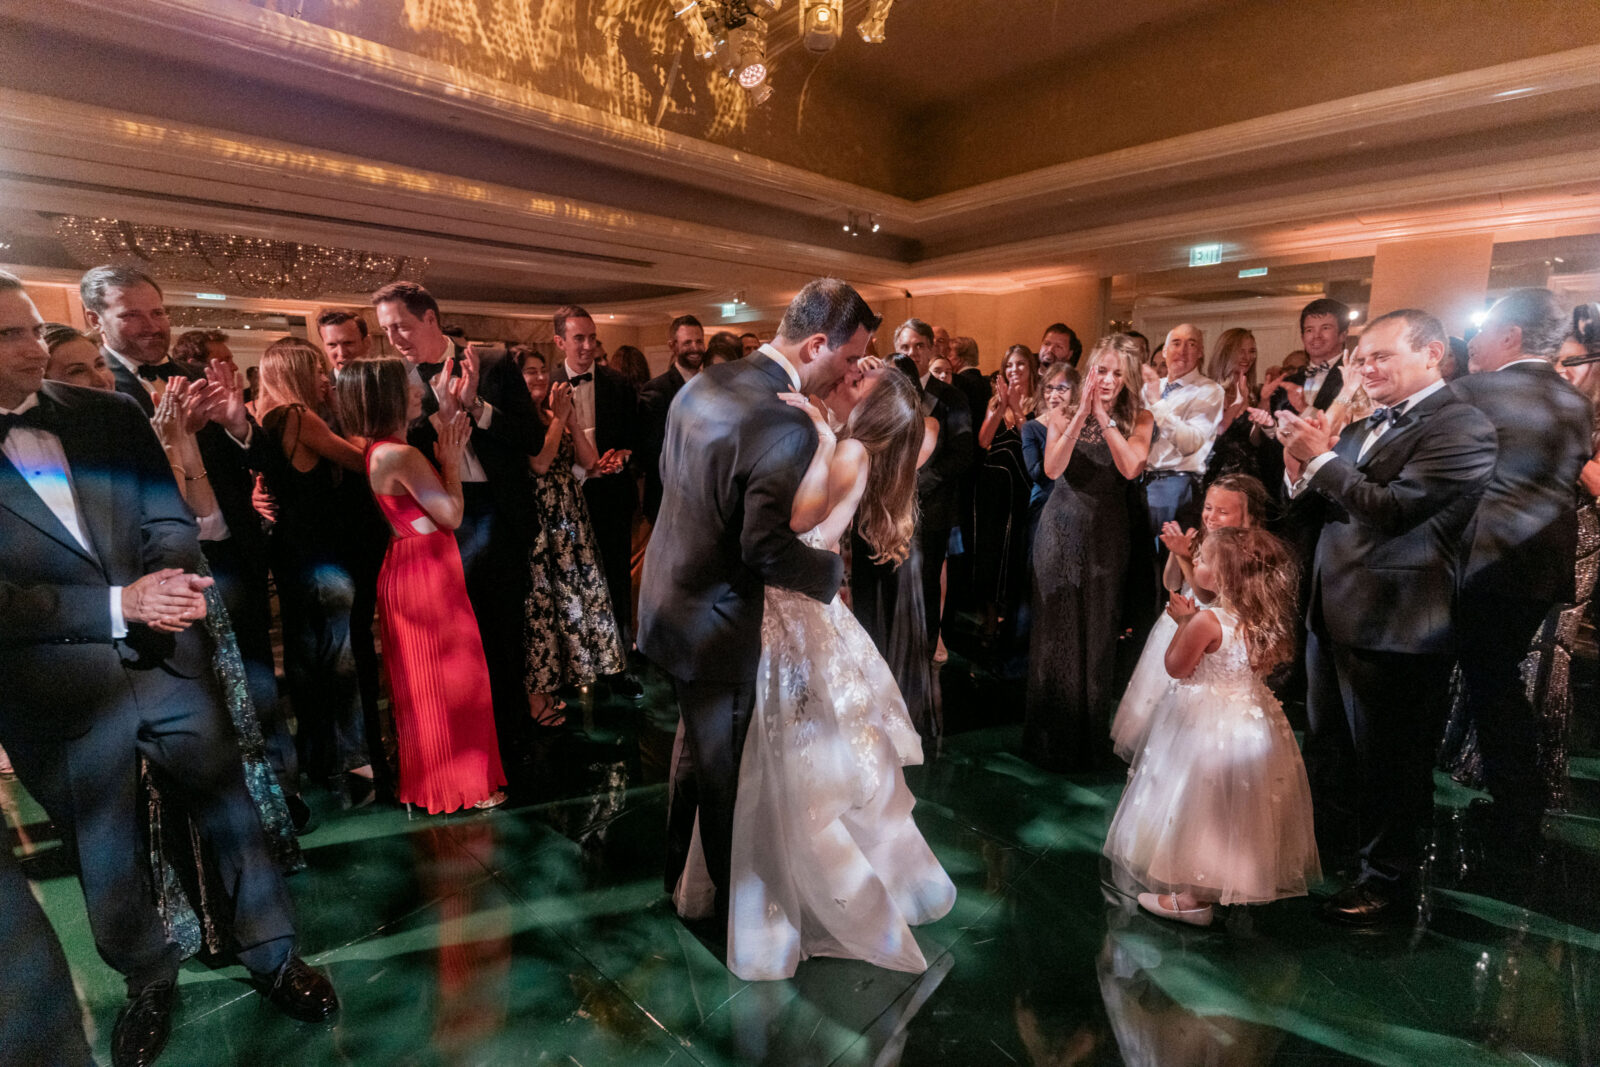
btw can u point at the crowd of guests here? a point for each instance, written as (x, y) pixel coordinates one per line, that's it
(459, 528)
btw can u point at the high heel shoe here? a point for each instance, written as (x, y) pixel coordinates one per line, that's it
(492, 801)
(1151, 902)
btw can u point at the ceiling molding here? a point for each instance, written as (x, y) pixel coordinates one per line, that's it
(1487, 88)
(278, 43)
(272, 46)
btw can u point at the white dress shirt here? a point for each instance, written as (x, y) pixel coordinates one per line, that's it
(38, 456)
(783, 361)
(582, 419)
(1317, 462)
(1315, 376)
(1186, 420)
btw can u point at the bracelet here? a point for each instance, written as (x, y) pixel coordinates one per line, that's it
(193, 477)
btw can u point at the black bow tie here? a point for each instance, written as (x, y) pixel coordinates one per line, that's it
(579, 379)
(33, 418)
(158, 372)
(1319, 368)
(1392, 416)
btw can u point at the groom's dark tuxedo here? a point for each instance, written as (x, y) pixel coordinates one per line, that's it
(733, 456)
(1381, 641)
(82, 705)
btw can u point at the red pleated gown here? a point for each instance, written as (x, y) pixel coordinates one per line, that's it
(443, 716)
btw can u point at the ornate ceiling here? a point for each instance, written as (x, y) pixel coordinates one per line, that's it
(537, 150)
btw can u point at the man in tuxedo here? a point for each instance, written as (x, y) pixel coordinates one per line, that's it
(98, 594)
(345, 338)
(687, 341)
(1522, 542)
(1396, 492)
(939, 479)
(974, 385)
(499, 520)
(605, 407)
(128, 309)
(733, 458)
(343, 335)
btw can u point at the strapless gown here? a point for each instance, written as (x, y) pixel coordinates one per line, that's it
(826, 858)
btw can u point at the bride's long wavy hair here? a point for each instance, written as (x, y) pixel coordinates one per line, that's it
(888, 423)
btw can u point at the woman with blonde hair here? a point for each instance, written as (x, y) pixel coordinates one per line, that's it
(1233, 366)
(315, 477)
(826, 859)
(1080, 560)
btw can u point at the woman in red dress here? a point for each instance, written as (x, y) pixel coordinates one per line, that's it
(444, 720)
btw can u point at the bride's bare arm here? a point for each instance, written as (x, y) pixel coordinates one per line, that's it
(811, 496)
(847, 480)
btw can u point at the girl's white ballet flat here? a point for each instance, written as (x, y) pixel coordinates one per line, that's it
(1152, 902)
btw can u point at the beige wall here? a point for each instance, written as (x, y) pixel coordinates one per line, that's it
(997, 321)
(1448, 276)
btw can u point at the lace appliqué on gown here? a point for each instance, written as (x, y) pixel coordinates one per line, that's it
(826, 858)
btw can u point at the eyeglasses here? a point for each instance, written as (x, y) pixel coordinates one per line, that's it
(1058, 388)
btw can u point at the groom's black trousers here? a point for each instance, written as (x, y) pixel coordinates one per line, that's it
(716, 716)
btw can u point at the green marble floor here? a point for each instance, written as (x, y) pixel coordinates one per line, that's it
(539, 934)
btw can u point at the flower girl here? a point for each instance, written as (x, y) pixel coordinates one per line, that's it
(1217, 809)
(1232, 500)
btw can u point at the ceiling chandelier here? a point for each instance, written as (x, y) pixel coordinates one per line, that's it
(732, 34)
(239, 266)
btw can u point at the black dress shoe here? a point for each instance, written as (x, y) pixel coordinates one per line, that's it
(1363, 904)
(625, 686)
(143, 1025)
(298, 991)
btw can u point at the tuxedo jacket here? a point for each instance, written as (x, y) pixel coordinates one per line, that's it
(655, 399)
(1524, 536)
(611, 499)
(733, 458)
(939, 479)
(514, 433)
(62, 669)
(1384, 577)
(976, 387)
(1327, 392)
(230, 468)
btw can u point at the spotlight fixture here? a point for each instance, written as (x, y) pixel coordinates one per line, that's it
(749, 43)
(871, 28)
(821, 23)
(694, 23)
(738, 296)
(1354, 314)
(760, 94)
(855, 227)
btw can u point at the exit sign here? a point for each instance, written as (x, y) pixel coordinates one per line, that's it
(1205, 255)
(1253, 272)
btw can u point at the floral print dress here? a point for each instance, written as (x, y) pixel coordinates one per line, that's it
(572, 634)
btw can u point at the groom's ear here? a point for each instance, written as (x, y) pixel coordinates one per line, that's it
(812, 347)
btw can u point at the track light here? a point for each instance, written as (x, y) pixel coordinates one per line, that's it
(871, 28)
(694, 23)
(872, 222)
(821, 23)
(749, 44)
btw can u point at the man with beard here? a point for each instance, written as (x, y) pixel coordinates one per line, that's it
(129, 311)
(687, 340)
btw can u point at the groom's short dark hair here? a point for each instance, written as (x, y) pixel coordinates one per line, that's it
(827, 306)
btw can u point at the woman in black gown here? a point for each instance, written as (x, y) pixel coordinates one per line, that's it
(1000, 521)
(1080, 558)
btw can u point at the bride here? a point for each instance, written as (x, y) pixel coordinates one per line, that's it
(826, 859)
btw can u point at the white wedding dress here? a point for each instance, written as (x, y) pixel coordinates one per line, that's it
(826, 859)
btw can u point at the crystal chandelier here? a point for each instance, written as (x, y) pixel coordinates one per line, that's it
(240, 266)
(732, 34)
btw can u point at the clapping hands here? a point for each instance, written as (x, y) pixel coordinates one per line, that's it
(166, 601)
(451, 446)
(1181, 608)
(1179, 542)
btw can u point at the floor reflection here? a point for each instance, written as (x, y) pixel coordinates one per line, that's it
(540, 933)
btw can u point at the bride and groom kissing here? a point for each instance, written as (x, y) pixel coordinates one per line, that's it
(789, 809)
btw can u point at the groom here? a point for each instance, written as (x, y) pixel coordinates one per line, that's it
(733, 457)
